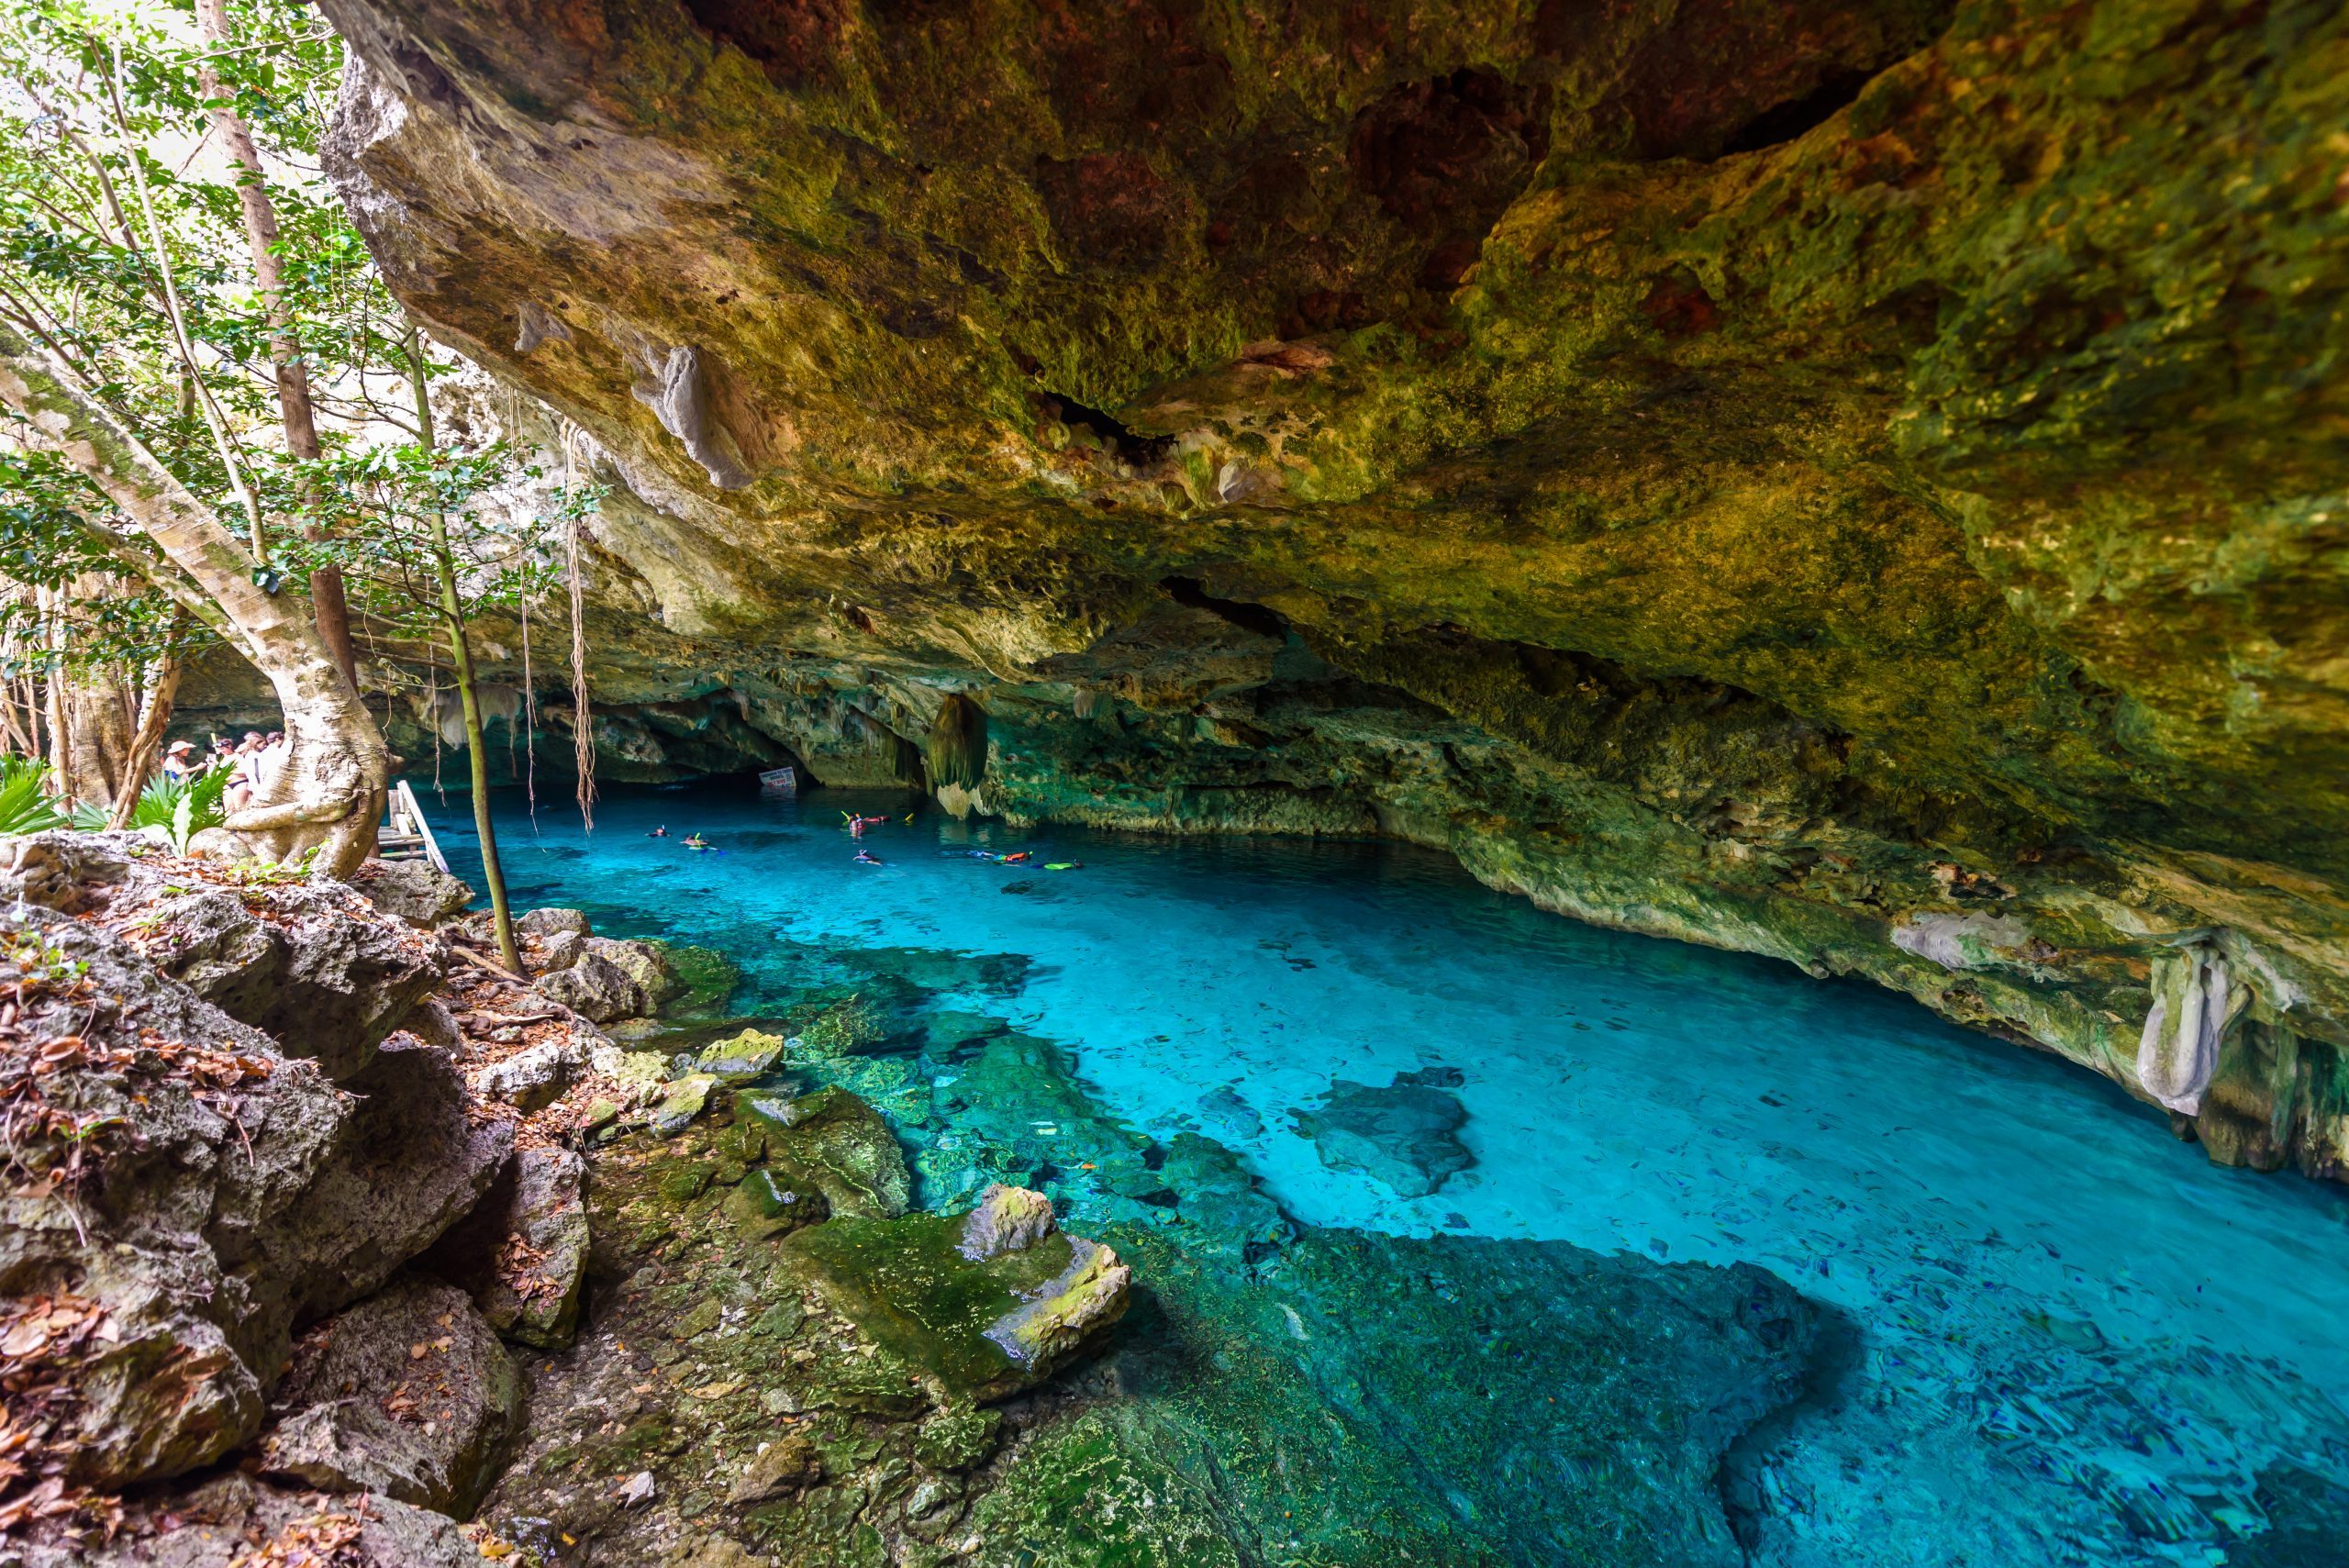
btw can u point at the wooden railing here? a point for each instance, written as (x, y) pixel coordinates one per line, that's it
(408, 835)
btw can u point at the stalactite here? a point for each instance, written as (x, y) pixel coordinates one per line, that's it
(2195, 1001)
(957, 750)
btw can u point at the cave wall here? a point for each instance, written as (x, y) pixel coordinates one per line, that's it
(1858, 483)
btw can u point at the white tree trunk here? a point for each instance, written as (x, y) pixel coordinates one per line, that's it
(329, 796)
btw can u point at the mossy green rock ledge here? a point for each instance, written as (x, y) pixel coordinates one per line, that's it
(962, 1330)
(835, 1144)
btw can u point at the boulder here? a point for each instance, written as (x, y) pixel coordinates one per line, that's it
(522, 1253)
(227, 1193)
(834, 1143)
(644, 962)
(323, 972)
(536, 1076)
(235, 1521)
(957, 1330)
(408, 1163)
(543, 923)
(136, 1327)
(415, 891)
(1008, 1219)
(750, 1054)
(1402, 1135)
(407, 1393)
(681, 1100)
(787, 1464)
(596, 988)
(71, 871)
(1085, 1297)
(561, 951)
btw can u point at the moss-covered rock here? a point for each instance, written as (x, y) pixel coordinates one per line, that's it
(832, 1143)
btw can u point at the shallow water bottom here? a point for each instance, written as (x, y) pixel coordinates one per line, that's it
(2048, 1333)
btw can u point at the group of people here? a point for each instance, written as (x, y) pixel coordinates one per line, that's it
(256, 760)
(856, 823)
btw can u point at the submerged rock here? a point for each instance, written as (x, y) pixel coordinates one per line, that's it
(1401, 1135)
(833, 1143)
(961, 1328)
(408, 1395)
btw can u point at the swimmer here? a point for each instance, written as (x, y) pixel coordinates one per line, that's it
(857, 824)
(1064, 865)
(660, 832)
(696, 842)
(1014, 859)
(867, 857)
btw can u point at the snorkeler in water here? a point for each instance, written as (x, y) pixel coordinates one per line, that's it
(696, 842)
(867, 857)
(660, 832)
(857, 824)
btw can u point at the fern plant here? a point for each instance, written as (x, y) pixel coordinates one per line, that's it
(183, 807)
(26, 805)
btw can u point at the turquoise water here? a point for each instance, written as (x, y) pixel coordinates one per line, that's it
(2075, 1341)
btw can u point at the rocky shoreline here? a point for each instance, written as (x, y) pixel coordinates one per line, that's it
(325, 1235)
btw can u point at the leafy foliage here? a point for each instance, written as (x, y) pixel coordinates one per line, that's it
(26, 805)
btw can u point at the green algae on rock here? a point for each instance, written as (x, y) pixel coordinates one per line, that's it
(833, 1143)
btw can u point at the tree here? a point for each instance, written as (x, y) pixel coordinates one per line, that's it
(330, 795)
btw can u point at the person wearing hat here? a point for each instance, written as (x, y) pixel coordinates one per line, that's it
(179, 759)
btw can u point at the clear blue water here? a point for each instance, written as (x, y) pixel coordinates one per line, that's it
(2078, 1342)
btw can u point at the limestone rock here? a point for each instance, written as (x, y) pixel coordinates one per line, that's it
(681, 1100)
(644, 963)
(407, 1393)
(596, 988)
(1402, 1135)
(522, 1252)
(194, 1326)
(323, 974)
(763, 1205)
(1060, 1315)
(410, 1162)
(959, 1329)
(1008, 1219)
(551, 922)
(235, 1521)
(787, 1463)
(415, 891)
(747, 1055)
(535, 1076)
(834, 1143)
(561, 951)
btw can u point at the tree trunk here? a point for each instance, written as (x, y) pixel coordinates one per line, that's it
(61, 752)
(328, 604)
(453, 612)
(98, 740)
(162, 686)
(329, 796)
